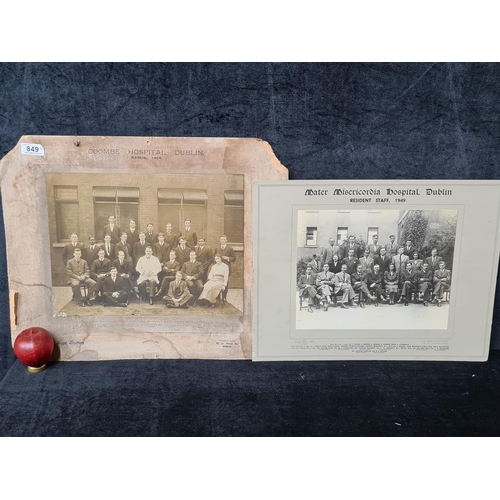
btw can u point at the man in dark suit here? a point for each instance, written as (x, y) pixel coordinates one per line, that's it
(178, 293)
(383, 260)
(192, 271)
(161, 250)
(132, 234)
(124, 268)
(351, 261)
(374, 283)
(351, 245)
(315, 264)
(366, 261)
(69, 249)
(425, 282)
(392, 247)
(90, 253)
(342, 283)
(182, 251)
(433, 260)
(307, 287)
(358, 283)
(189, 234)
(139, 248)
(151, 236)
(100, 270)
(169, 269)
(409, 249)
(170, 237)
(410, 283)
(442, 282)
(205, 256)
(329, 252)
(112, 229)
(109, 248)
(124, 246)
(78, 272)
(228, 257)
(113, 290)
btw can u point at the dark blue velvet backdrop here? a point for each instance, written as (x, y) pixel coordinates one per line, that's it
(324, 121)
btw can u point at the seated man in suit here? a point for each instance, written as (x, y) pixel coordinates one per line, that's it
(442, 282)
(358, 282)
(113, 290)
(425, 282)
(99, 270)
(148, 267)
(324, 284)
(68, 250)
(193, 272)
(170, 268)
(178, 293)
(78, 273)
(342, 283)
(410, 283)
(307, 287)
(374, 282)
(125, 269)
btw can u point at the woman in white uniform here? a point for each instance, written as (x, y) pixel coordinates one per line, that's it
(217, 281)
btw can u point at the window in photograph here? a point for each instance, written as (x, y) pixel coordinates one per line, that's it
(372, 231)
(341, 235)
(177, 205)
(67, 218)
(312, 237)
(233, 216)
(122, 202)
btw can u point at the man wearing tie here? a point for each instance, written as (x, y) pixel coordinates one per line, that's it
(409, 249)
(329, 252)
(352, 246)
(78, 273)
(109, 248)
(433, 260)
(442, 282)
(69, 249)
(374, 247)
(170, 268)
(193, 272)
(351, 262)
(399, 262)
(189, 234)
(139, 248)
(123, 245)
(99, 270)
(112, 229)
(151, 236)
(161, 250)
(392, 247)
(114, 293)
(178, 294)
(342, 283)
(383, 260)
(307, 287)
(124, 269)
(90, 254)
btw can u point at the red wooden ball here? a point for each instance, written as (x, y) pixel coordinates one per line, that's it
(33, 347)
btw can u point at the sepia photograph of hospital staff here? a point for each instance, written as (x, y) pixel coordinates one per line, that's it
(146, 244)
(396, 259)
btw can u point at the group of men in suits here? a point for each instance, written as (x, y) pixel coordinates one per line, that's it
(147, 259)
(379, 273)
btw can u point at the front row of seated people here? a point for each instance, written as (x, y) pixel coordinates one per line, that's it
(325, 286)
(179, 287)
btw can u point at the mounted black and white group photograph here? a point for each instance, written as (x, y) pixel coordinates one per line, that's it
(146, 245)
(364, 269)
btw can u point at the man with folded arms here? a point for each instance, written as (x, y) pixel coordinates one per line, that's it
(178, 293)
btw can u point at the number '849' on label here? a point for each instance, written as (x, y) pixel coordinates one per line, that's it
(32, 149)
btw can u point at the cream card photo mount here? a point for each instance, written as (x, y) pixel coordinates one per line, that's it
(375, 269)
(134, 247)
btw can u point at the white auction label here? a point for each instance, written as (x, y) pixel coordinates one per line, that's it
(32, 149)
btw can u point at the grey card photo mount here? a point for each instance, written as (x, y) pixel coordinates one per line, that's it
(78, 265)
